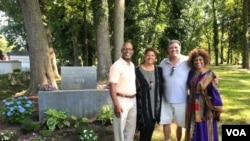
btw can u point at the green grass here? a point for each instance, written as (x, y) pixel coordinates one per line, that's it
(234, 88)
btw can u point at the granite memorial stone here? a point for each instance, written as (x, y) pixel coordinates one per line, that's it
(77, 78)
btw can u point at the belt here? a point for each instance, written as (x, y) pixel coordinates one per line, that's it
(126, 96)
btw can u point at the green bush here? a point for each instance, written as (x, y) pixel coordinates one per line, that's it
(16, 70)
(56, 119)
(15, 110)
(77, 123)
(46, 133)
(105, 115)
(17, 78)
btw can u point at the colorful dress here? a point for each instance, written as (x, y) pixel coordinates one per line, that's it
(204, 107)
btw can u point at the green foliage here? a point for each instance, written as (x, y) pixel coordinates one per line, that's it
(46, 133)
(101, 10)
(15, 28)
(76, 123)
(16, 70)
(28, 125)
(16, 110)
(147, 23)
(106, 115)
(85, 134)
(3, 44)
(59, 119)
(56, 119)
(17, 78)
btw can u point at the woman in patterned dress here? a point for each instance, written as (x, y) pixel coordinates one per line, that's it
(204, 102)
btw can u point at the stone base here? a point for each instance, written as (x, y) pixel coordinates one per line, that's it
(80, 103)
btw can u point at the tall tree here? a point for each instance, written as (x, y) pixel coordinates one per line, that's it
(175, 28)
(102, 38)
(216, 33)
(85, 33)
(118, 26)
(40, 64)
(245, 42)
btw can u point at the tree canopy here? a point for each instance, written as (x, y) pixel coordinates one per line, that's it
(74, 28)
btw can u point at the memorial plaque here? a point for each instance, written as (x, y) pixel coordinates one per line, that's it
(76, 78)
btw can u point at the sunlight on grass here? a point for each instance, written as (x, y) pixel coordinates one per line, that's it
(245, 113)
(159, 136)
(245, 81)
(234, 88)
(158, 133)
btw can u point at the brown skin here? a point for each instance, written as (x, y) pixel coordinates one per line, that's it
(202, 54)
(149, 60)
(127, 53)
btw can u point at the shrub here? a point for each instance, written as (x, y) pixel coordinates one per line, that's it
(56, 119)
(17, 79)
(16, 110)
(16, 70)
(105, 115)
(77, 123)
(85, 134)
(46, 133)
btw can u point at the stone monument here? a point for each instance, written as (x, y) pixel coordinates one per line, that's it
(78, 94)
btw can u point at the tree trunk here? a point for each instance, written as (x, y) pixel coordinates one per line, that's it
(222, 42)
(245, 50)
(118, 26)
(85, 35)
(51, 51)
(40, 64)
(76, 59)
(54, 63)
(102, 38)
(216, 37)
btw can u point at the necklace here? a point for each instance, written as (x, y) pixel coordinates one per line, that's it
(149, 73)
(151, 83)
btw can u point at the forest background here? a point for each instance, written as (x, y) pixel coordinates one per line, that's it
(91, 32)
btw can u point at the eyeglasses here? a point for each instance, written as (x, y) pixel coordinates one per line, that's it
(172, 71)
(127, 49)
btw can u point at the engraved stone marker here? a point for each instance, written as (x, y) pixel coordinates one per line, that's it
(76, 78)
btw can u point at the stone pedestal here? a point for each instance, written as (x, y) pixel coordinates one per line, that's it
(80, 103)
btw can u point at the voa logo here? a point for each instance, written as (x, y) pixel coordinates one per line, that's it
(236, 132)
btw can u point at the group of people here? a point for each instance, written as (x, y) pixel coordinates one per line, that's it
(180, 88)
